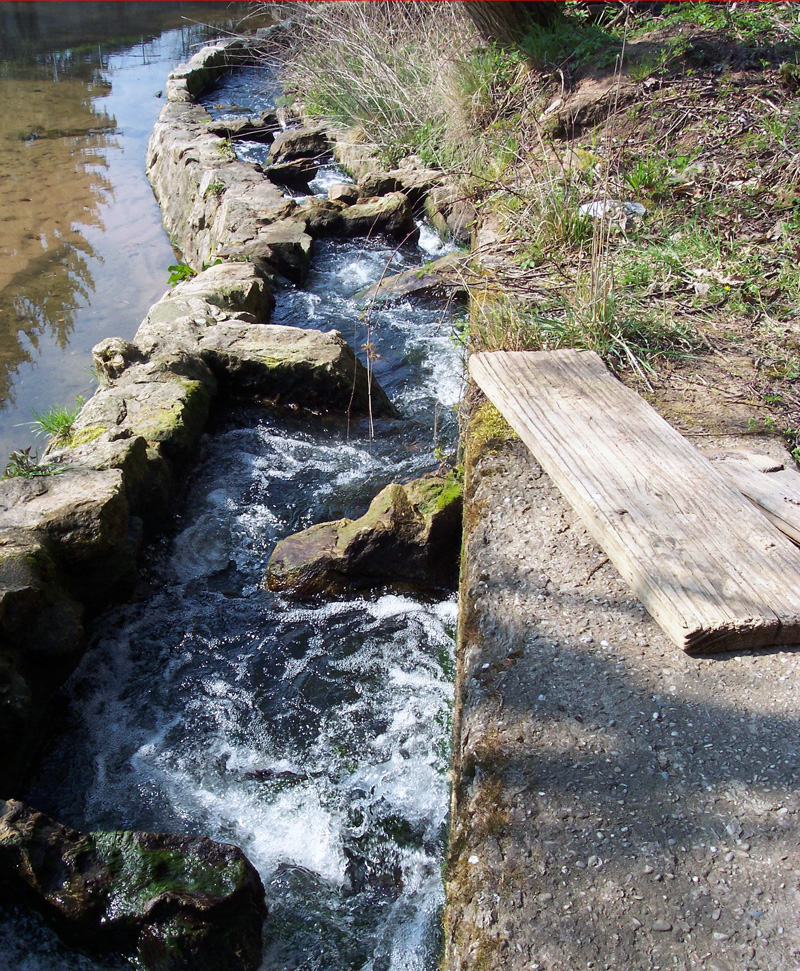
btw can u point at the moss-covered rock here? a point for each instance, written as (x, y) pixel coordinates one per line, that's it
(410, 534)
(170, 903)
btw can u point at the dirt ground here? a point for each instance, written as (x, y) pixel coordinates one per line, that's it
(617, 803)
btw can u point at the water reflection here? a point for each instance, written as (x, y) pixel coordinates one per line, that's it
(53, 139)
(83, 252)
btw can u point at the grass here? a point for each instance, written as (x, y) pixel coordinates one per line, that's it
(58, 421)
(708, 149)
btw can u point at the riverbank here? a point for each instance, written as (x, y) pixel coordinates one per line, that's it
(615, 803)
(366, 785)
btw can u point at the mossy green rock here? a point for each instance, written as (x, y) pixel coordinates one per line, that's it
(410, 534)
(169, 903)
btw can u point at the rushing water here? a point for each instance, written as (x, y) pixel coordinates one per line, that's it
(83, 251)
(315, 736)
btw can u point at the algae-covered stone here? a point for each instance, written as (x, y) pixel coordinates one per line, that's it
(169, 903)
(167, 409)
(410, 534)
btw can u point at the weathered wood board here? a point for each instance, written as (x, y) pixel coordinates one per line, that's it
(775, 494)
(710, 568)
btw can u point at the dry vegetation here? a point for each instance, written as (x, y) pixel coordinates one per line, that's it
(694, 114)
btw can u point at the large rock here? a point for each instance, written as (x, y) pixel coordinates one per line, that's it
(389, 214)
(299, 143)
(39, 622)
(81, 514)
(294, 366)
(170, 903)
(41, 639)
(344, 192)
(410, 534)
(445, 278)
(258, 128)
(295, 175)
(238, 287)
(164, 400)
(283, 247)
(82, 517)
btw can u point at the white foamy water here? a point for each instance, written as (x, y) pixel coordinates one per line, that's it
(315, 736)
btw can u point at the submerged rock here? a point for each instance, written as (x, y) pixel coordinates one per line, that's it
(409, 534)
(170, 903)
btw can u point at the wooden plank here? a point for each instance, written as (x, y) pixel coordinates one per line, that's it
(775, 494)
(712, 571)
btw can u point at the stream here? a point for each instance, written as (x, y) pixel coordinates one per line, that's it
(314, 735)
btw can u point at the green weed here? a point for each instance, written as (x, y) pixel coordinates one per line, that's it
(752, 22)
(24, 464)
(179, 272)
(58, 421)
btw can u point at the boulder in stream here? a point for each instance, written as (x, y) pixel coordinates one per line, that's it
(390, 214)
(170, 903)
(442, 278)
(299, 143)
(410, 534)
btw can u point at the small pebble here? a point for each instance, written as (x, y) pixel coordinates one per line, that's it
(473, 860)
(719, 936)
(662, 926)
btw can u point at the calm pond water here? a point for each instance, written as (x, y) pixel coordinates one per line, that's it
(83, 251)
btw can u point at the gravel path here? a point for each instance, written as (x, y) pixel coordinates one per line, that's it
(617, 804)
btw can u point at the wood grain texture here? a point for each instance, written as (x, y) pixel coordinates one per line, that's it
(775, 494)
(712, 571)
